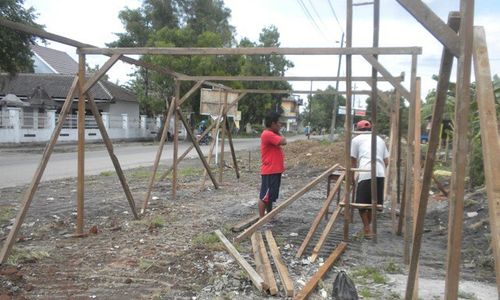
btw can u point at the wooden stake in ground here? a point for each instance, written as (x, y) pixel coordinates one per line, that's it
(283, 205)
(313, 282)
(262, 263)
(254, 277)
(280, 266)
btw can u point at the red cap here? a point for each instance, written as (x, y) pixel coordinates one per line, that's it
(363, 124)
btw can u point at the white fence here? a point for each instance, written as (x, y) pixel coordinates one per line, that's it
(17, 126)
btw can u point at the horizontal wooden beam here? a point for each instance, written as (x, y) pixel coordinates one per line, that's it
(437, 27)
(281, 78)
(318, 92)
(254, 51)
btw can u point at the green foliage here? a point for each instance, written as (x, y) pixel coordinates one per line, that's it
(19, 256)
(209, 241)
(369, 274)
(318, 112)
(15, 53)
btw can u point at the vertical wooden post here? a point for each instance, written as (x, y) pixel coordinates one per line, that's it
(175, 135)
(460, 150)
(348, 122)
(233, 153)
(409, 165)
(393, 163)
(211, 150)
(417, 163)
(222, 139)
(490, 140)
(30, 192)
(374, 96)
(81, 148)
(430, 158)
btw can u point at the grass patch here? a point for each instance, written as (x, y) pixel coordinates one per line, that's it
(140, 174)
(365, 292)
(145, 264)
(392, 268)
(369, 274)
(5, 214)
(188, 171)
(157, 222)
(107, 173)
(26, 256)
(209, 241)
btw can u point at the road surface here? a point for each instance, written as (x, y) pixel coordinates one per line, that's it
(18, 167)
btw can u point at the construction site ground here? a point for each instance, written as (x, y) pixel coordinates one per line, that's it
(172, 253)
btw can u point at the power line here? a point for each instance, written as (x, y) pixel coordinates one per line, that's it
(316, 12)
(335, 15)
(308, 14)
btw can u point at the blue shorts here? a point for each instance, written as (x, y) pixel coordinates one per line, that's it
(270, 187)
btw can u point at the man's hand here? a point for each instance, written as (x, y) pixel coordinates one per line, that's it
(283, 141)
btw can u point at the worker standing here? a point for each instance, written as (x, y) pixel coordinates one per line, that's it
(272, 162)
(361, 158)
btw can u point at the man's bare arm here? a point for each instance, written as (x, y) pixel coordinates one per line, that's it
(283, 141)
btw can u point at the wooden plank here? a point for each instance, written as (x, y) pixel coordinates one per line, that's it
(254, 277)
(211, 150)
(80, 184)
(348, 121)
(257, 257)
(114, 159)
(325, 233)
(255, 51)
(280, 78)
(175, 103)
(313, 282)
(245, 223)
(490, 140)
(222, 141)
(284, 204)
(433, 144)
(197, 146)
(319, 216)
(280, 265)
(37, 176)
(441, 31)
(266, 263)
(382, 70)
(317, 92)
(460, 150)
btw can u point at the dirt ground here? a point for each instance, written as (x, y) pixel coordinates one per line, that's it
(172, 253)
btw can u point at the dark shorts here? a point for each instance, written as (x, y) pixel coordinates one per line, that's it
(270, 187)
(364, 191)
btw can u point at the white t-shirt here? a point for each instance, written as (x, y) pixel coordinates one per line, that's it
(361, 147)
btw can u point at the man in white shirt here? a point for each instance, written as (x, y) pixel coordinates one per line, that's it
(361, 158)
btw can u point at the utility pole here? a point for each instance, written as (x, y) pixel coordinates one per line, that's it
(336, 96)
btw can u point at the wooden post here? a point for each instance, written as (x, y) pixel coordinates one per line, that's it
(80, 187)
(222, 140)
(197, 146)
(374, 96)
(417, 163)
(233, 153)
(408, 229)
(175, 135)
(460, 150)
(114, 159)
(392, 181)
(433, 145)
(267, 271)
(284, 204)
(30, 192)
(210, 152)
(163, 139)
(490, 140)
(348, 121)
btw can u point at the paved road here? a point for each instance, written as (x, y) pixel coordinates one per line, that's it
(18, 168)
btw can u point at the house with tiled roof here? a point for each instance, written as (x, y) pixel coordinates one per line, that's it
(38, 98)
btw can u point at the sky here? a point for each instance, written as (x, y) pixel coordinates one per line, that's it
(301, 23)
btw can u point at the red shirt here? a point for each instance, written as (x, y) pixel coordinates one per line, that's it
(272, 155)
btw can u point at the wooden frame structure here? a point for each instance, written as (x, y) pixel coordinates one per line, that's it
(468, 43)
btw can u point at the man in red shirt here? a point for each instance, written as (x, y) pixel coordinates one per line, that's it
(273, 163)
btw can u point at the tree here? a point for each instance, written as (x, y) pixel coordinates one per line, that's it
(15, 53)
(319, 112)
